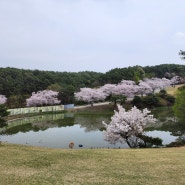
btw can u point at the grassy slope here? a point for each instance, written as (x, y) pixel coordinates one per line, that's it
(172, 90)
(32, 165)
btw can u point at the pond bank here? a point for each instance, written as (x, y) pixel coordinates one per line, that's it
(95, 107)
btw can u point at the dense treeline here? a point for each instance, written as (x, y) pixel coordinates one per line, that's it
(18, 84)
(20, 81)
(137, 72)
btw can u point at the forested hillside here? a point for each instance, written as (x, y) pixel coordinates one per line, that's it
(18, 84)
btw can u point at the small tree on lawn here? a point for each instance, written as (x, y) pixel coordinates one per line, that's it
(127, 126)
(41, 98)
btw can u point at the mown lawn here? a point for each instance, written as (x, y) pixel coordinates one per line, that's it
(33, 165)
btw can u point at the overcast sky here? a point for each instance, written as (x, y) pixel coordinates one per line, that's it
(90, 35)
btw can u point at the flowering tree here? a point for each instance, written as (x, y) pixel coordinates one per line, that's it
(90, 95)
(3, 99)
(157, 84)
(143, 88)
(46, 97)
(111, 91)
(175, 80)
(125, 126)
(126, 88)
(108, 89)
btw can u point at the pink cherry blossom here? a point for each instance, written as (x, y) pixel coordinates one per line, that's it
(108, 89)
(125, 124)
(90, 95)
(157, 84)
(3, 99)
(175, 80)
(46, 97)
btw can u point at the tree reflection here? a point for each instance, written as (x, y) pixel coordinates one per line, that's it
(37, 123)
(168, 122)
(180, 141)
(91, 122)
(143, 141)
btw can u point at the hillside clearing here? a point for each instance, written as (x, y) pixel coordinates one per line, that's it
(172, 90)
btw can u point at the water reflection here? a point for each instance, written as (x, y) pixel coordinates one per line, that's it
(58, 130)
(168, 127)
(91, 122)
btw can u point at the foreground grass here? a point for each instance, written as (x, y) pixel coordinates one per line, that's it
(32, 165)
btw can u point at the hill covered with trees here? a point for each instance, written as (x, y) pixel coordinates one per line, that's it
(18, 84)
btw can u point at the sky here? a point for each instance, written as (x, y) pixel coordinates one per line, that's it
(90, 35)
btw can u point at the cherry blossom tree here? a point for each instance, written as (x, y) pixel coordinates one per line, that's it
(175, 80)
(112, 94)
(126, 88)
(157, 84)
(90, 95)
(127, 82)
(165, 83)
(41, 98)
(127, 126)
(143, 88)
(3, 99)
(108, 89)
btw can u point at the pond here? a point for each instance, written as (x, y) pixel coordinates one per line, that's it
(84, 129)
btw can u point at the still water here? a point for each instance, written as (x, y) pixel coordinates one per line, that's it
(58, 130)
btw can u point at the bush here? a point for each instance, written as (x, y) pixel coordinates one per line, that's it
(170, 98)
(137, 101)
(162, 93)
(151, 100)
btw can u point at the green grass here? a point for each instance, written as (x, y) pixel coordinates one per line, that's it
(172, 90)
(33, 165)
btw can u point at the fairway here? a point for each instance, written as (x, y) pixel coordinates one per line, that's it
(33, 165)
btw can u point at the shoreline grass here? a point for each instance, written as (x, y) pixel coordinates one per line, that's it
(26, 165)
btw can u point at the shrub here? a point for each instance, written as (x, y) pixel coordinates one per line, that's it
(137, 101)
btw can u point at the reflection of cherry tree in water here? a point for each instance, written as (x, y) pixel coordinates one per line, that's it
(128, 126)
(93, 124)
